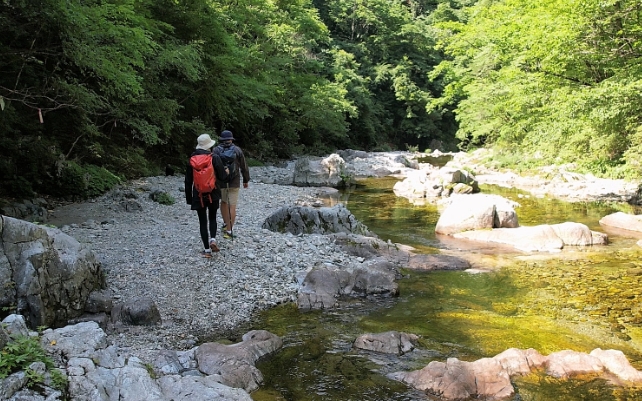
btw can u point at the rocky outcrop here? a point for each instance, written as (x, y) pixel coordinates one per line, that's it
(310, 171)
(34, 210)
(234, 364)
(325, 283)
(477, 212)
(623, 221)
(309, 220)
(559, 182)
(372, 248)
(360, 164)
(401, 255)
(430, 185)
(98, 371)
(319, 171)
(544, 237)
(45, 274)
(489, 378)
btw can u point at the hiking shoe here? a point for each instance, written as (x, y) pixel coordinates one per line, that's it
(213, 246)
(228, 235)
(206, 254)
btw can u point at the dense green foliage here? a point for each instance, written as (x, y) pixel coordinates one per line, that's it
(553, 81)
(125, 86)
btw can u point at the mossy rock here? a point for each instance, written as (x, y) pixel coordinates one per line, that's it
(84, 181)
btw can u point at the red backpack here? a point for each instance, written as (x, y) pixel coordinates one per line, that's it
(204, 177)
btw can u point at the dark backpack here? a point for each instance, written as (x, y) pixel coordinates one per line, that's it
(204, 177)
(228, 157)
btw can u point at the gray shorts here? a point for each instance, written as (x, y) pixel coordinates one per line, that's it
(230, 195)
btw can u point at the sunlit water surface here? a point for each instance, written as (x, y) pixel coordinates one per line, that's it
(577, 299)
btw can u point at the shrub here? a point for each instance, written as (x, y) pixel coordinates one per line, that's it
(254, 162)
(83, 181)
(164, 198)
(131, 163)
(18, 187)
(99, 180)
(21, 352)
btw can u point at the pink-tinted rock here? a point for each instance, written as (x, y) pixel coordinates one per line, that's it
(520, 362)
(623, 220)
(616, 363)
(567, 364)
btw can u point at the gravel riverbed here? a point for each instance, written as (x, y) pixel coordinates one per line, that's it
(155, 253)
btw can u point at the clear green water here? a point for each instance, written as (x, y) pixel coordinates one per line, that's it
(578, 299)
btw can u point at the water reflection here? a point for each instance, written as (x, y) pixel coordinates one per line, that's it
(579, 299)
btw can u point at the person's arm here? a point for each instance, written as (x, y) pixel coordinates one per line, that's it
(221, 172)
(189, 180)
(245, 171)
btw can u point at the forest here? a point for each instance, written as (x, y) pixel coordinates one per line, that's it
(94, 92)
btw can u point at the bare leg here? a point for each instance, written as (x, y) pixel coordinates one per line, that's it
(232, 217)
(225, 213)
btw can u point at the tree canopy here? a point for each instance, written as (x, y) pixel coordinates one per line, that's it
(556, 81)
(96, 91)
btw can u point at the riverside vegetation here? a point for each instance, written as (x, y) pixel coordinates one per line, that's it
(99, 91)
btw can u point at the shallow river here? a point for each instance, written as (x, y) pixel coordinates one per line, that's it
(578, 299)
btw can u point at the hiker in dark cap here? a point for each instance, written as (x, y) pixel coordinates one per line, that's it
(233, 158)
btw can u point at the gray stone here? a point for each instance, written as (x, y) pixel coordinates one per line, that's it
(191, 387)
(102, 319)
(437, 262)
(234, 364)
(310, 220)
(375, 278)
(390, 342)
(99, 301)
(15, 326)
(130, 205)
(45, 273)
(137, 312)
(322, 286)
(319, 172)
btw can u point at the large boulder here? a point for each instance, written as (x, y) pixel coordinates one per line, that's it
(624, 221)
(235, 363)
(429, 185)
(322, 285)
(318, 171)
(310, 220)
(46, 274)
(544, 237)
(325, 283)
(372, 248)
(476, 212)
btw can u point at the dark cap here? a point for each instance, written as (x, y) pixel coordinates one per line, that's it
(226, 136)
